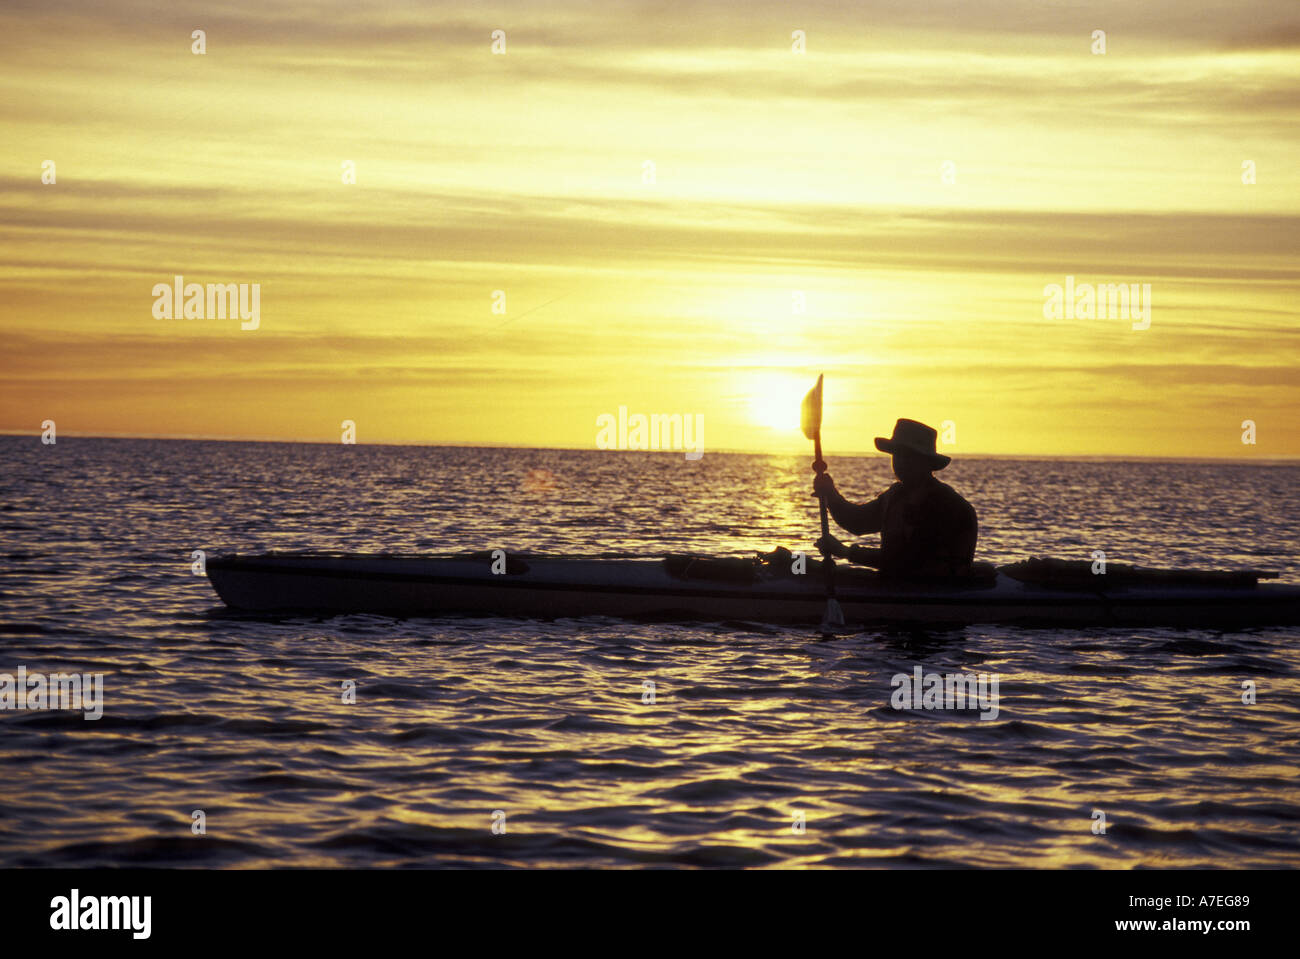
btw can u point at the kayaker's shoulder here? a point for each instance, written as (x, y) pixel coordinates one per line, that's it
(951, 496)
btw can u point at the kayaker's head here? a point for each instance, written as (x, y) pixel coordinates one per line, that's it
(912, 447)
(911, 469)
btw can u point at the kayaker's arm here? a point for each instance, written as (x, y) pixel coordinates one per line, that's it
(864, 556)
(857, 519)
(858, 555)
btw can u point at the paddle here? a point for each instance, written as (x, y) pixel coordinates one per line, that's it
(811, 421)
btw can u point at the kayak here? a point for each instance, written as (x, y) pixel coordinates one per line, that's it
(1046, 592)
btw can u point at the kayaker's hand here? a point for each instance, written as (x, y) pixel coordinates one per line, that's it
(829, 544)
(865, 556)
(823, 484)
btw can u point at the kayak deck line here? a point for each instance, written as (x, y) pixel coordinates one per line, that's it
(508, 582)
(547, 587)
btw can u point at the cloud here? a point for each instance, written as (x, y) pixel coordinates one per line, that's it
(395, 228)
(626, 24)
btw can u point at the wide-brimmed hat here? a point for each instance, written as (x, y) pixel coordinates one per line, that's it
(913, 437)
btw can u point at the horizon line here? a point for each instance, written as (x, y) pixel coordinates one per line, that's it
(172, 437)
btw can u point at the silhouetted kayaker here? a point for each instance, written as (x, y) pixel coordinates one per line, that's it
(926, 528)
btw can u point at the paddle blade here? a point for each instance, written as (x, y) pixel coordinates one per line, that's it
(810, 417)
(834, 616)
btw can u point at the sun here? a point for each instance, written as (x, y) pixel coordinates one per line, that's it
(774, 400)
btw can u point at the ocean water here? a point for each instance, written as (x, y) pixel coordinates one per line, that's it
(540, 728)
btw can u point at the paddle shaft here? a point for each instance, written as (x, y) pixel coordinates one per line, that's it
(828, 564)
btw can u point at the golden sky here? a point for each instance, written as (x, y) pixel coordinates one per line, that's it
(917, 177)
